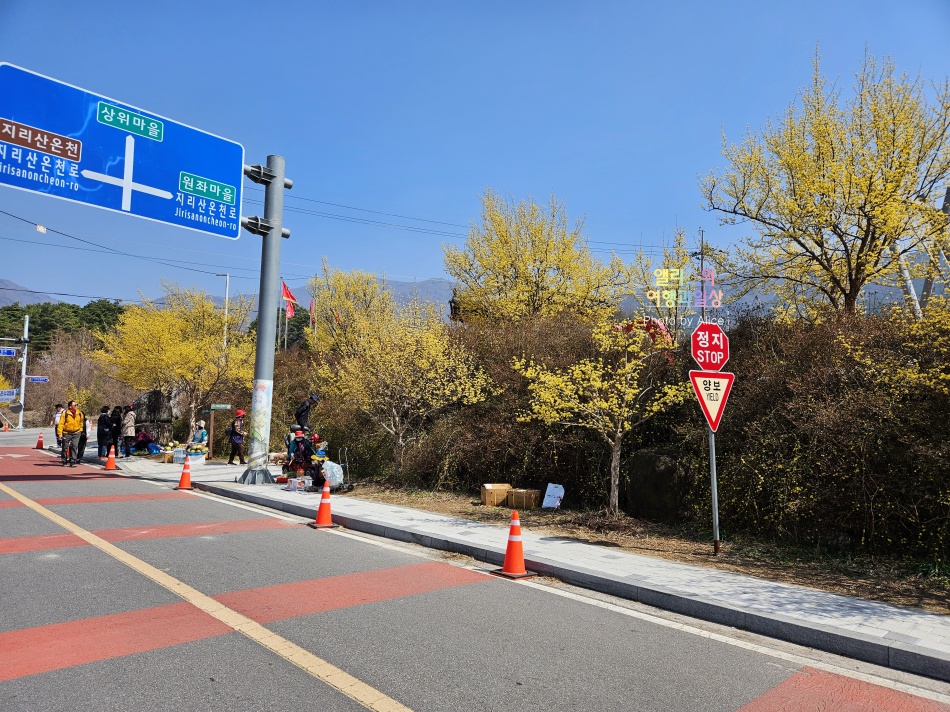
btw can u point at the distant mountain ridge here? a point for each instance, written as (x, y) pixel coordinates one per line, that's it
(11, 293)
(436, 290)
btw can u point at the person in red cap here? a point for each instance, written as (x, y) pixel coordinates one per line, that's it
(299, 453)
(236, 436)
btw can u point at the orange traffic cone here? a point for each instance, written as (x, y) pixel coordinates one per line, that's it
(514, 554)
(110, 461)
(185, 481)
(39, 442)
(324, 518)
(6, 427)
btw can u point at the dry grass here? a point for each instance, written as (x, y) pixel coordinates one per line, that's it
(879, 579)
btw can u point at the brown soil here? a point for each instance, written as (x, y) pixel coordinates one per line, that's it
(875, 578)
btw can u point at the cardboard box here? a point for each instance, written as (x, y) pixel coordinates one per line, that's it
(524, 499)
(494, 495)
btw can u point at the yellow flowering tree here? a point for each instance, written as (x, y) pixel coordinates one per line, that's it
(526, 260)
(177, 346)
(621, 386)
(916, 358)
(401, 368)
(342, 301)
(5, 385)
(842, 193)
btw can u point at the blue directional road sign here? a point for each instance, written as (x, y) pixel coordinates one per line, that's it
(59, 140)
(38, 379)
(7, 352)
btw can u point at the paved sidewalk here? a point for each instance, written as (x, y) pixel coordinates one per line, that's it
(205, 472)
(891, 636)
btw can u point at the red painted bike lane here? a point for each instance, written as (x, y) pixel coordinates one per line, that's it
(354, 595)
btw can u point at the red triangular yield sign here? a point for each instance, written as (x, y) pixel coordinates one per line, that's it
(712, 389)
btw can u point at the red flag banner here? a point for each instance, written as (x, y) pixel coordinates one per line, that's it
(286, 294)
(313, 316)
(288, 297)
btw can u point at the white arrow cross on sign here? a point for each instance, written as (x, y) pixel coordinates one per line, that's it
(125, 182)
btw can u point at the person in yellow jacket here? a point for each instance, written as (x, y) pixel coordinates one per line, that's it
(71, 426)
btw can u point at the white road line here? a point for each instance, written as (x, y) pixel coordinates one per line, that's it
(753, 647)
(335, 677)
(789, 657)
(227, 500)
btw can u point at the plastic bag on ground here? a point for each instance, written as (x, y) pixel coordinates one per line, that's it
(333, 474)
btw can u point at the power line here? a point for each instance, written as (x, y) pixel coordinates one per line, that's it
(363, 221)
(111, 249)
(66, 294)
(120, 253)
(364, 210)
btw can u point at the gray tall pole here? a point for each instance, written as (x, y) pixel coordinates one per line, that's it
(227, 297)
(715, 490)
(227, 290)
(272, 230)
(26, 343)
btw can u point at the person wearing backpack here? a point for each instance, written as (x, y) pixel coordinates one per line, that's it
(71, 427)
(236, 435)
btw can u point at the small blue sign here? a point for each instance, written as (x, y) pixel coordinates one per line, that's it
(7, 352)
(38, 379)
(6, 396)
(59, 140)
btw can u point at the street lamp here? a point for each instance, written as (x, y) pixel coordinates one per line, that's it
(227, 289)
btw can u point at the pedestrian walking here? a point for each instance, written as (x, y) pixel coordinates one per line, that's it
(128, 429)
(236, 436)
(115, 428)
(54, 423)
(69, 430)
(104, 431)
(83, 439)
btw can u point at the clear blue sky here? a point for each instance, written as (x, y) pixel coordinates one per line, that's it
(415, 108)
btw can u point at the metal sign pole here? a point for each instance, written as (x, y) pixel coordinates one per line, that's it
(715, 490)
(211, 438)
(271, 229)
(26, 343)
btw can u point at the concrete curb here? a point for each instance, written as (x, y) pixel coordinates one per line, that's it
(879, 651)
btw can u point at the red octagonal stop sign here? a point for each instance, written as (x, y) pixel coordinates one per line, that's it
(710, 347)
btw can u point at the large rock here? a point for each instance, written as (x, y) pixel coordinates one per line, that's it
(153, 414)
(656, 487)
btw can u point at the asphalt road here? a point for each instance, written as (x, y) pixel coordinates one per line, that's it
(121, 594)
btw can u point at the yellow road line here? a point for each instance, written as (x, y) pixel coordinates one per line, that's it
(350, 686)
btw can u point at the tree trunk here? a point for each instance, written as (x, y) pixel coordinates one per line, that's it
(399, 448)
(192, 419)
(615, 475)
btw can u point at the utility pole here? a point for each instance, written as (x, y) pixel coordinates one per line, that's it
(26, 343)
(271, 229)
(702, 267)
